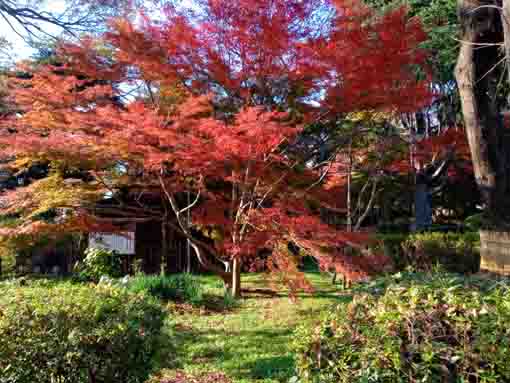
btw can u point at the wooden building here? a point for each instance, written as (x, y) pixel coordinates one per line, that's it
(143, 243)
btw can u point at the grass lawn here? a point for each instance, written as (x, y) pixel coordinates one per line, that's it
(248, 343)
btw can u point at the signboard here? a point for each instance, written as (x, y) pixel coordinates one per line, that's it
(121, 243)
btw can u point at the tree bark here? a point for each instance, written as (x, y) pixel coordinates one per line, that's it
(477, 72)
(506, 32)
(164, 246)
(209, 266)
(349, 189)
(236, 278)
(369, 206)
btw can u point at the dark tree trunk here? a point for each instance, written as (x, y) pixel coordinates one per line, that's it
(477, 72)
(236, 278)
(164, 246)
(506, 32)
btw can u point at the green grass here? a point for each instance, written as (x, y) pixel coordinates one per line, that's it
(250, 342)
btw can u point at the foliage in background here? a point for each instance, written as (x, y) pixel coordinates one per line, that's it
(435, 329)
(75, 333)
(439, 18)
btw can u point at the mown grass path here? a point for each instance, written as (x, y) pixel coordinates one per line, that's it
(249, 343)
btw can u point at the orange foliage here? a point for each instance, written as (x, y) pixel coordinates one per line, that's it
(260, 56)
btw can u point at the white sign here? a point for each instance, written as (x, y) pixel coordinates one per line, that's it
(121, 243)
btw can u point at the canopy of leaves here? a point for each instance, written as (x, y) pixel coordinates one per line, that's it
(245, 77)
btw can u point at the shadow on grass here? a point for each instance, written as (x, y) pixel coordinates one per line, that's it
(244, 354)
(278, 367)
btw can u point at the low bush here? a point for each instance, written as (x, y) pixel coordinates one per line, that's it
(179, 287)
(98, 263)
(439, 328)
(455, 252)
(60, 332)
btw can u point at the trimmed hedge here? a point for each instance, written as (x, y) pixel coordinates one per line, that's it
(455, 252)
(61, 332)
(442, 328)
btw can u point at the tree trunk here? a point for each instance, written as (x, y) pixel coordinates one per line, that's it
(209, 266)
(506, 32)
(477, 72)
(349, 189)
(164, 247)
(369, 206)
(236, 278)
(188, 245)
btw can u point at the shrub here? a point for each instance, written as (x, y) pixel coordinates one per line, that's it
(474, 222)
(61, 332)
(229, 301)
(179, 287)
(455, 252)
(98, 263)
(441, 328)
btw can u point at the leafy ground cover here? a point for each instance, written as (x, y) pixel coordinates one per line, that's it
(245, 343)
(412, 327)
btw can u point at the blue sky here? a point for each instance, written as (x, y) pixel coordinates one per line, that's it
(21, 49)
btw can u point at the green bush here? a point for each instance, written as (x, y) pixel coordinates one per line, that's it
(474, 222)
(99, 262)
(455, 252)
(179, 287)
(61, 332)
(439, 328)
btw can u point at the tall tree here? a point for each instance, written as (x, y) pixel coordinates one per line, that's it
(260, 64)
(478, 73)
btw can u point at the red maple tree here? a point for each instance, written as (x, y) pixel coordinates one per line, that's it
(245, 73)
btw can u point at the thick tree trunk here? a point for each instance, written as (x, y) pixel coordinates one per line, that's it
(236, 278)
(477, 72)
(465, 74)
(506, 32)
